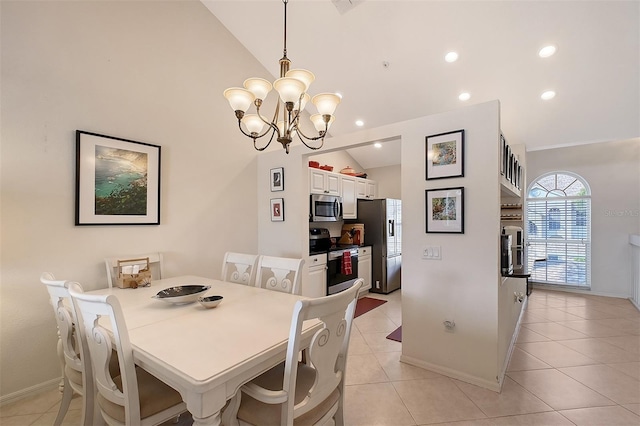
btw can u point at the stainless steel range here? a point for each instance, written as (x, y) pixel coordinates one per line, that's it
(342, 261)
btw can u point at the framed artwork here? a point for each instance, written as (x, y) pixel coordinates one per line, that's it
(445, 210)
(117, 181)
(277, 210)
(445, 155)
(277, 179)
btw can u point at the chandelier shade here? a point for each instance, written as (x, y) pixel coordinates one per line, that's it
(292, 88)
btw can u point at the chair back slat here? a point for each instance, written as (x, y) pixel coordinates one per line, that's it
(239, 268)
(279, 273)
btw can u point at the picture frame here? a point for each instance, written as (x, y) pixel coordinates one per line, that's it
(445, 210)
(117, 181)
(444, 155)
(277, 179)
(277, 210)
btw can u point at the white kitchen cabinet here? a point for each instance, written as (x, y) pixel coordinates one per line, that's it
(364, 267)
(322, 182)
(316, 285)
(349, 200)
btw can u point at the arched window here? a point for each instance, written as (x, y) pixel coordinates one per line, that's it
(559, 230)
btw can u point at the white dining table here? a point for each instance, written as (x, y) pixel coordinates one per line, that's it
(207, 354)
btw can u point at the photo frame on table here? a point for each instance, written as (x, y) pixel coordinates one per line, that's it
(277, 210)
(117, 181)
(445, 155)
(277, 179)
(445, 210)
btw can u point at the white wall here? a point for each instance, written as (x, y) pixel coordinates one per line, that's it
(388, 179)
(463, 285)
(612, 170)
(148, 71)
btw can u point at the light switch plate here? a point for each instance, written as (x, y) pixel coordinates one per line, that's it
(432, 253)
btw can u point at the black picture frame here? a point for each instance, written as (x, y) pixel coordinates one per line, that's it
(276, 177)
(117, 181)
(444, 208)
(444, 155)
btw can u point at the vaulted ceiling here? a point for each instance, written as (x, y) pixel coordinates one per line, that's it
(387, 59)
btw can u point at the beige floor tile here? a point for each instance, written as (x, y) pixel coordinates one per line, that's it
(555, 331)
(37, 404)
(375, 322)
(598, 416)
(634, 408)
(512, 400)
(591, 328)
(628, 343)
(554, 314)
(521, 360)
(625, 325)
(378, 342)
(357, 344)
(558, 390)
(539, 419)
(629, 368)
(21, 420)
(436, 400)
(363, 369)
(375, 405)
(600, 350)
(529, 318)
(555, 354)
(586, 312)
(527, 335)
(607, 381)
(72, 418)
(396, 370)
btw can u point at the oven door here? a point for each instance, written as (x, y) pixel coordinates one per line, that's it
(339, 277)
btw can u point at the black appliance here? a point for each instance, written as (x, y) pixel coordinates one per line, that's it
(506, 259)
(319, 240)
(382, 219)
(339, 277)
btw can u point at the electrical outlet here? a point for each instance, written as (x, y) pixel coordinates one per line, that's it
(432, 253)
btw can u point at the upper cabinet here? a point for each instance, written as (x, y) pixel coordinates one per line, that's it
(321, 182)
(350, 188)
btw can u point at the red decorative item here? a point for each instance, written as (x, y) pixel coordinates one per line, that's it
(346, 263)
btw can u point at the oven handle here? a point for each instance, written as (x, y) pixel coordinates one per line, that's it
(334, 255)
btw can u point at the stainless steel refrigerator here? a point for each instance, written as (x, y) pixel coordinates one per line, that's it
(382, 221)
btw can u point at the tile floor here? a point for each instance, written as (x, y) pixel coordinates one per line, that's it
(576, 362)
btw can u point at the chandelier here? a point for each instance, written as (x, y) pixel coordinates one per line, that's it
(292, 86)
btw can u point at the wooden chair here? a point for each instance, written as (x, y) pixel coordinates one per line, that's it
(135, 397)
(155, 264)
(309, 393)
(279, 273)
(239, 268)
(69, 351)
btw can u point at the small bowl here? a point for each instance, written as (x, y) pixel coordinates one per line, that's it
(210, 301)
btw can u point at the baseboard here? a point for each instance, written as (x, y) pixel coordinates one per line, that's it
(30, 391)
(454, 374)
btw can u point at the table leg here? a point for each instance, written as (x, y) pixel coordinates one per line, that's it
(208, 421)
(206, 407)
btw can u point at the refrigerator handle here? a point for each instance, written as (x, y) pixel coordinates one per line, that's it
(392, 228)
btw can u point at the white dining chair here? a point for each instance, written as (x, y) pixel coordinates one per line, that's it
(305, 393)
(76, 366)
(239, 268)
(279, 273)
(155, 264)
(135, 397)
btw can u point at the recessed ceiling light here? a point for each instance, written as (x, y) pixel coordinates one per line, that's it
(549, 94)
(451, 57)
(377, 145)
(464, 96)
(359, 123)
(547, 51)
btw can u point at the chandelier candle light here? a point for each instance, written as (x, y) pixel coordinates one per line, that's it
(292, 86)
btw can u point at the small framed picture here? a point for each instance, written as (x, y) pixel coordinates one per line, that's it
(445, 155)
(445, 210)
(277, 179)
(277, 210)
(117, 181)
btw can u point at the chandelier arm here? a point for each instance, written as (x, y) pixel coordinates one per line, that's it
(310, 139)
(255, 146)
(321, 135)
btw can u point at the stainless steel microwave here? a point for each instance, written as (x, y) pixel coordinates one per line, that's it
(325, 208)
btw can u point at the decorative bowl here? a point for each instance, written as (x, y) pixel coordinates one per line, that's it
(314, 164)
(327, 168)
(181, 294)
(210, 301)
(348, 171)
